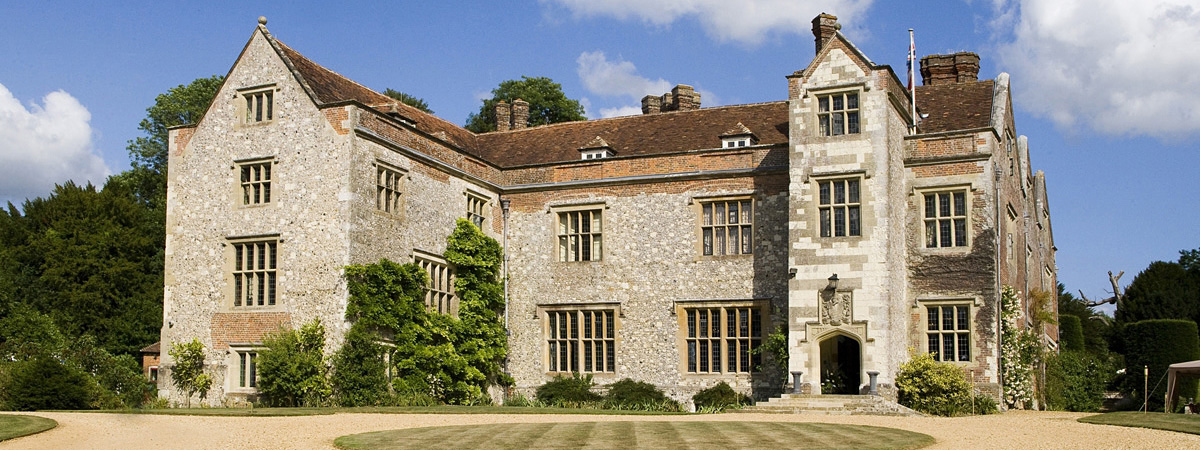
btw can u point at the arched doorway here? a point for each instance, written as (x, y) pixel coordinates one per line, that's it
(841, 365)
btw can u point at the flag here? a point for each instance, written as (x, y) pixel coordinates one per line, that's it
(912, 59)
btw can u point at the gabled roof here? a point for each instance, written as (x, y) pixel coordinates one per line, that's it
(955, 106)
(635, 135)
(152, 348)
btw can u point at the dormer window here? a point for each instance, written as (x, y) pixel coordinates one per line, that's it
(741, 142)
(596, 149)
(739, 136)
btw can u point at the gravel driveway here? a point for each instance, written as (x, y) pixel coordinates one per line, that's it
(1015, 430)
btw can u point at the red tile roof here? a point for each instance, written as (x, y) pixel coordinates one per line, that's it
(152, 348)
(957, 106)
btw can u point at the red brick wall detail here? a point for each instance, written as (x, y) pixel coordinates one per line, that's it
(537, 201)
(182, 137)
(933, 148)
(337, 118)
(941, 170)
(245, 327)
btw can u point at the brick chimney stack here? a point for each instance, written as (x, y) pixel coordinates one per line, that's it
(503, 116)
(520, 114)
(681, 98)
(961, 67)
(824, 27)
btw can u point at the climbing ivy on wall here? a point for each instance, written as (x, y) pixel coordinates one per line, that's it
(1019, 351)
(452, 359)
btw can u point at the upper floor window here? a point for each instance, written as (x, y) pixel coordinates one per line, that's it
(948, 332)
(839, 205)
(476, 206)
(260, 105)
(389, 186)
(581, 340)
(838, 114)
(726, 227)
(579, 237)
(440, 295)
(946, 219)
(254, 272)
(256, 182)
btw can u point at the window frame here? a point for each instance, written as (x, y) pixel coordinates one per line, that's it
(242, 368)
(389, 199)
(551, 316)
(824, 119)
(478, 208)
(563, 232)
(245, 271)
(829, 231)
(956, 331)
(707, 246)
(440, 296)
(252, 99)
(936, 221)
(266, 176)
(588, 155)
(736, 142)
(688, 316)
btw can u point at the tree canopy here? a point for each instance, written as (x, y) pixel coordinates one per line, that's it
(547, 104)
(409, 100)
(1094, 324)
(1165, 290)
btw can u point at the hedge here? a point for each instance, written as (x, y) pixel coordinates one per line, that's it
(1158, 344)
(1070, 330)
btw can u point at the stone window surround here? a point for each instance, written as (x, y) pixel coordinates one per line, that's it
(864, 200)
(478, 207)
(556, 244)
(239, 189)
(541, 314)
(234, 368)
(433, 294)
(813, 96)
(394, 208)
(967, 189)
(697, 205)
(973, 304)
(227, 268)
(679, 310)
(248, 94)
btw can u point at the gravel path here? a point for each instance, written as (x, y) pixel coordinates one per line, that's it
(1013, 430)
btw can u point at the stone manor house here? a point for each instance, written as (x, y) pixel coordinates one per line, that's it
(662, 247)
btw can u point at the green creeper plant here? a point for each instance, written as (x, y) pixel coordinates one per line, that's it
(291, 369)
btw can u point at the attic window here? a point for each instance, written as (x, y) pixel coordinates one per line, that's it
(736, 142)
(596, 149)
(594, 154)
(738, 136)
(260, 104)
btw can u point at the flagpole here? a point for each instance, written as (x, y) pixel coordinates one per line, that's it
(912, 90)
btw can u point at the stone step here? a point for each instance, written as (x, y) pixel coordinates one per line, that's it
(830, 405)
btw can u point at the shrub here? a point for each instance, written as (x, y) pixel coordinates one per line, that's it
(1075, 381)
(188, 372)
(291, 370)
(984, 404)
(359, 374)
(44, 383)
(566, 390)
(933, 387)
(1071, 331)
(720, 397)
(1158, 344)
(628, 392)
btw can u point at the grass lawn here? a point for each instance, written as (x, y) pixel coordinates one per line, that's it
(627, 435)
(440, 409)
(1183, 423)
(14, 426)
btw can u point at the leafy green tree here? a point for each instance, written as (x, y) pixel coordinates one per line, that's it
(547, 104)
(188, 372)
(1095, 325)
(45, 383)
(1165, 290)
(1190, 260)
(291, 370)
(409, 100)
(26, 334)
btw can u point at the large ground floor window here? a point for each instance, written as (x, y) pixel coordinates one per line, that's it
(581, 340)
(720, 339)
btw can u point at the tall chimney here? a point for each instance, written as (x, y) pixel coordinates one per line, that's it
(520, 114)
(966, 64)
(651, 104)
(824, 26)
(960, 67)
(503, 116)
(684, 98)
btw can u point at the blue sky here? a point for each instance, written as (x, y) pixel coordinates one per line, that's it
(1107, 91)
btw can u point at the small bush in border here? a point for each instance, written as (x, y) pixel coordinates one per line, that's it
(562, 390)
(933, 387)
(720, 397)
(638, 395)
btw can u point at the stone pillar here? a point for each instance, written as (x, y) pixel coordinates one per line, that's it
(874, 374)
(796, 381)
(503, 116)
(520, 114)
(824, 27)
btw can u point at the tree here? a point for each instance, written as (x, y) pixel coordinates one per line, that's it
(1190, 260)
(1094, 324)
(409, 100)
(188, 373)
(180, 105)
(1165, 290)
(291, 370)
(547, 104)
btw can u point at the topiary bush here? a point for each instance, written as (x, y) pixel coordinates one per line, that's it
(933, 387)
(1070, 331)
(720, 397)
(1158, 344)
(1075, 381)
(44, 383)
(564, 390)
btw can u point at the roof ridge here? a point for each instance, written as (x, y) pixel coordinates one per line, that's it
(602, 119)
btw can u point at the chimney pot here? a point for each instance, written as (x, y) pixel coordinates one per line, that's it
(503, 116)
(824, 27)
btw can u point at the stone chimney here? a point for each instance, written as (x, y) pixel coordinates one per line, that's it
(824, 27)
(503, 116)
(520, 114)
(681, 98)
(651, 104)
(960, 67)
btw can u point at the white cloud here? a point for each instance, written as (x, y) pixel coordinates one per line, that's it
(745, 21)
(1118, 67)
(620, 111)
(45, 144)
(616, 78)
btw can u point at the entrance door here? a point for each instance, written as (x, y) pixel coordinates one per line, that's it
(841, 365)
